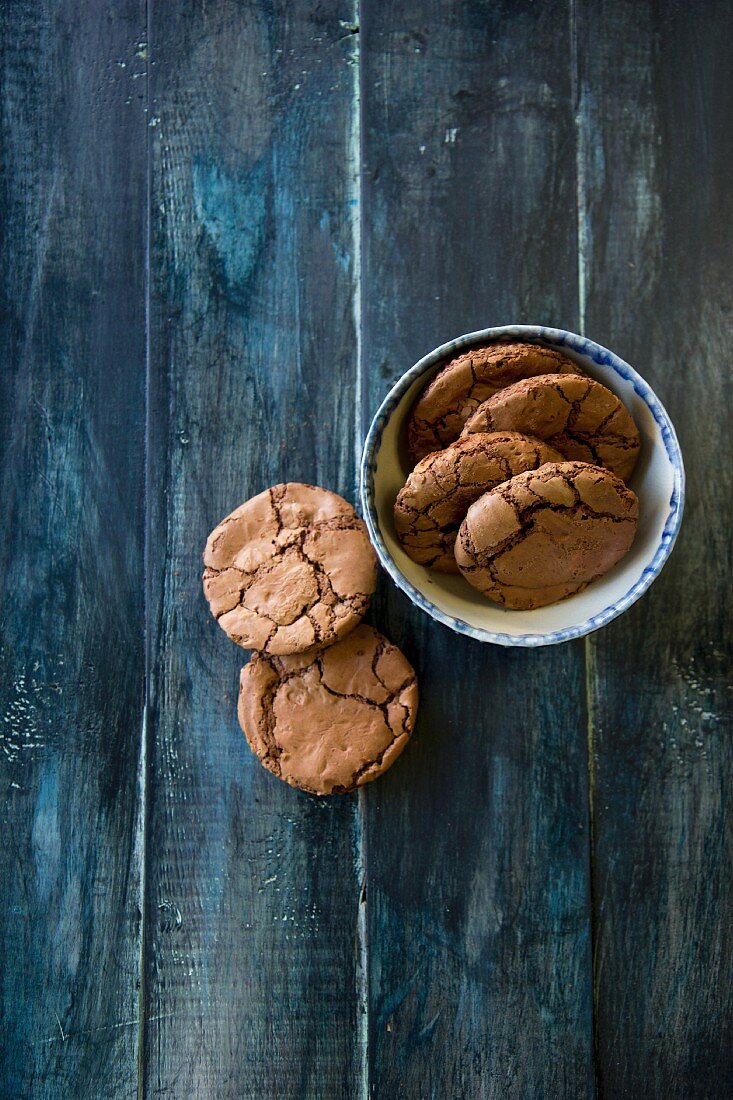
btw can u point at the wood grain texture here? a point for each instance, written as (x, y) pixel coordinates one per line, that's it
(71, 546)
(322, 193)
(252, 887)
(477, 842)
(656, 101)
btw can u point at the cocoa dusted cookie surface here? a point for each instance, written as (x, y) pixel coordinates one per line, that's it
(290, 569)
(577, 415)
(546, 534)
(465, 382)
(331, 721)
(438, 492)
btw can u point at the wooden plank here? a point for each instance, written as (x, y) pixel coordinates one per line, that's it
(252, 887)
(477, 842)
(71, 546)
(656, 102)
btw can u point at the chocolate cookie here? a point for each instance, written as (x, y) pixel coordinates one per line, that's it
(290, 569)
(546, 534)
(465, 382)
(329, 722)
(430, 507)
(577, 415)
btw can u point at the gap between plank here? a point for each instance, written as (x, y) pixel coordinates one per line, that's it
(581, 193)
(140, 848)
(582, 250)
(356, 147)
(143, 783)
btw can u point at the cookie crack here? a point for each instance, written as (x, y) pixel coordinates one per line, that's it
(593, 443)
(379, 758)
(606, 420)
(273, 750)
(378, 651)
(353, 695)
(277, 495)
(224, 523)
(325, 592)
(527, 519)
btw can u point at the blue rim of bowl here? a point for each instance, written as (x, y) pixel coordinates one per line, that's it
(597, 354)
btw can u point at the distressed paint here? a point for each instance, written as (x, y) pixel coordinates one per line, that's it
(331, 193)
(71, 547)
(657, 97)
(252, 887)
(477, 842)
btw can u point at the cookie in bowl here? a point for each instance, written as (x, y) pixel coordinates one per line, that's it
(580, 417)
(467, 380)
(436, 496)
(546, 534)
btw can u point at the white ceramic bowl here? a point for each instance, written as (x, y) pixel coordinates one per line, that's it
(658, 481)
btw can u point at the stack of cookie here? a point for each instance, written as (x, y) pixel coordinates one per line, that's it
(519, 477)
(326, 702)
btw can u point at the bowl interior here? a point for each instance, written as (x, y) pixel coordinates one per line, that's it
(657, 481)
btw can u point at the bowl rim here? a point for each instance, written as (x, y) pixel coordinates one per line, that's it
(598, 354)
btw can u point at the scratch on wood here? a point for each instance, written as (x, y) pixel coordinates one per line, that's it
(46, 418)
(66, 1035)
(362, 946)
(61, 1029)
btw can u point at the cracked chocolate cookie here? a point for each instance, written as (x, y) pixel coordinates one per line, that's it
(330, 722)
(434, 501)
(577, 415)
(546, 534)
(290, 569)
(465, 382)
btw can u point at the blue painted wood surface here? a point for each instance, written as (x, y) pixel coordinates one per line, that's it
(251, 983)
(478, 891)
(72, 347)
(226, 228)
(656, 99)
